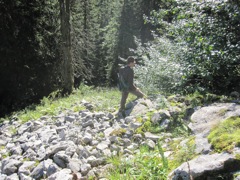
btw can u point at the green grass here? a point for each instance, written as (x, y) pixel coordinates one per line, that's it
(147, 164)
(226, 135)
(183, 153)
(102, 99)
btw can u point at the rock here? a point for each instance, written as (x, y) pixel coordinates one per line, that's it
(135, 125)
(74, 165)
(52, 169)
(127, 151)
(41, 152)
(206, 166)
(165, 123)
(46, 134)
(17, 150)
(26, 146)
(66, 173)
(76, 145)
(137, 138)
(85, 168)
(139, 107)
(99, 115)
(58, 147)
(69, 118)
(61, 159)
(207, 117)
(26, 167)
(87, 138)
(30, 154)
(202, 144)
(24, 177)
(3, 176)
(103, 145)
(25, 127)
(149, 143)
(38, 171)
(151, 136)
(12, 177)
(126, 142)
(159, 116)
(88, 123)
(36, 125)
(93, 161)
(10, 166)
(3, 142)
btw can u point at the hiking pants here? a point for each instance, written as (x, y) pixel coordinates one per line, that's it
(136, 92)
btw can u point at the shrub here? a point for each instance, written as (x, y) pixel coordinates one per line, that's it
(159, 68)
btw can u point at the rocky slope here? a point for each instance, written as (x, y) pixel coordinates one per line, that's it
(75, 145)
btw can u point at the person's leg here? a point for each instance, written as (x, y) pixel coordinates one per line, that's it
(137, 93)
(123, 100)
(121, 111)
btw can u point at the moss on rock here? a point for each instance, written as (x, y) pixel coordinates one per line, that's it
(226, 135)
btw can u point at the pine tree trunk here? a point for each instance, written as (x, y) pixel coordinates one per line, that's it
(68, 75)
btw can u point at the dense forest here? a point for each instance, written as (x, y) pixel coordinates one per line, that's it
(180, 46)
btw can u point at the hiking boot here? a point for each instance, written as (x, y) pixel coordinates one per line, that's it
(122, 113)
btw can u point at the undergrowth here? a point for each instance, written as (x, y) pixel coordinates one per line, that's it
(146, 164)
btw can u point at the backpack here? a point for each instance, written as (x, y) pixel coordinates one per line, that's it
(122, 83)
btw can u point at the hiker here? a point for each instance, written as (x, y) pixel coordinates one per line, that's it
(127, 76)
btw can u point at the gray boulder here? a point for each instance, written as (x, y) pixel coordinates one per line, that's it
(206, 167)
(204, 119)
(139, 107)
(10, 166)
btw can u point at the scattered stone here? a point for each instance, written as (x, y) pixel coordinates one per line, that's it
(76, 145)
(151, 136)
(66, 173)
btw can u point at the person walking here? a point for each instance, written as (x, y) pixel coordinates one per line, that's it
(127, 74)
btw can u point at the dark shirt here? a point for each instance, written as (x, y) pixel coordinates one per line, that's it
(128, 76)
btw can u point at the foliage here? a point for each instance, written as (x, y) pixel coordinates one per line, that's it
(209, 30)
(84, 25)
(145, 165)
(208, 46)
(226, 135)
(160, 69)
(29, 66)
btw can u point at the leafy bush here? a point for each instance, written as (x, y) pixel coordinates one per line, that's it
(159, 67)
(213, 45)
(201, 51)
